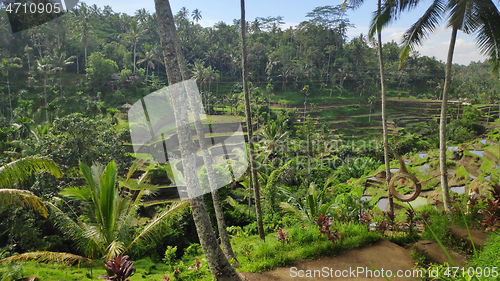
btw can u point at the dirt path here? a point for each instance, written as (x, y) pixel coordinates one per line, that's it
(383, 255)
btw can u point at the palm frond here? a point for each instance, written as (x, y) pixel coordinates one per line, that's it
(488, 36)
(49, 257)
(381, 18)
(174, 208)
(420, 30)
(463, 15)
(114, 249)
(80, 193)
(352, 4)
(240, 208)
(87, 239)
(16, 197)
(132, 169)
(22, 169)
(298, 212)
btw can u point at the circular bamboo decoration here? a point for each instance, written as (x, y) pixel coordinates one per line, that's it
(400, 197)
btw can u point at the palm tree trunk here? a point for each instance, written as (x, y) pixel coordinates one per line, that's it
(86, 77)
(255, 181)
(384, 117)
(60, 83)
(135, 43)
(442, 123)
(10, 100)
(489, 111)
(498, 141)
(370, 116)
(45, 95)
(217, 262)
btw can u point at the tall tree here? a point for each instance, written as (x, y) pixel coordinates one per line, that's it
(207, 159)
(149, 58)
(471, 17)
(5, 66)
(59, 60)
(196, 15)
(217, 262)
(135, 33)
(83, 27)
(248, 112)
(45, 68)
(378, 28)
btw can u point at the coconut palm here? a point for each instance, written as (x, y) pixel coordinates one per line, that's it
(272, 135)
(149, 58)
(59, 60)
(135, 33)
(378, 28)
(196, 15)
(83, 27)
(217, 261)
(104, 227)
(196, 108)
(478, 17)
(5, 66)
(248, 114)
(45, 68)
(371, 101)
(20, 170)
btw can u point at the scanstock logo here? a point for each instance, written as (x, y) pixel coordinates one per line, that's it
(154, 133)
(26, 14)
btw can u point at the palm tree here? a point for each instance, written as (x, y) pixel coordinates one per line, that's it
(83, 27)
(196, 15)
(135, 33)
(371, 100)
(207, 159)
(217, 261)
(5, 66)
(470, 16)
(45, 68)
(20, 170)
(107, 220)
(59, 60)
(248, 114)
(378, 28)
(273, 134)
(27, 54)
(150, 59)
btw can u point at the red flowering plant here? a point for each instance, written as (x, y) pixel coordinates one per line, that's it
(118, 269)
(282, 237)
(324, 223)
(410, 215)
(365, 219)
(197, 265)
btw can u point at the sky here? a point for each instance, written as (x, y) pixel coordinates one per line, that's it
(294, 11)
